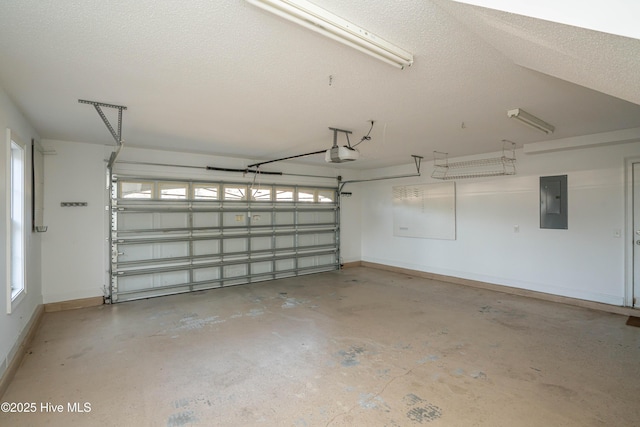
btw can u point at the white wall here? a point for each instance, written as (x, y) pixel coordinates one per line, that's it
(586, 261)
(350, 224)
(13, 326)
(75, 250)
(74, 245)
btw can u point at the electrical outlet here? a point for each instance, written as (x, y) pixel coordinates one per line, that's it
(516, 228)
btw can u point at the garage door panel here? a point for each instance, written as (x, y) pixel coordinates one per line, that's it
(235, 219)
(315, 261)
(153, 280)
(316, 217)
(283, 242)
(231, 271)
(135, 221)
(263, 267)
(206, 219)
(206, 274)
(316, 239)
(148, 221)
(261, 219)
(206, 247)
(284, 218)
(150, 251)
(135, 253)
(261, 243)
(285, 264)
(161, 246)
(236, 245)
(171, 220)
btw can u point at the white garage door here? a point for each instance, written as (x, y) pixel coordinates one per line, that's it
(179, 236)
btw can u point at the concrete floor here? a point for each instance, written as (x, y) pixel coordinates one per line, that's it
(360, 347)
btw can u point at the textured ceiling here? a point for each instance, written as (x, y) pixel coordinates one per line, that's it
(228, 78)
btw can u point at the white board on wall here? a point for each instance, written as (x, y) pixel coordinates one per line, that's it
(426, 211)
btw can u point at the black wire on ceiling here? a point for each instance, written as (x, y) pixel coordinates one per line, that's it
(367, 137)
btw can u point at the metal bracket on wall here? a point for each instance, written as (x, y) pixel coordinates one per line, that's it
(418, 160)
(116, 135)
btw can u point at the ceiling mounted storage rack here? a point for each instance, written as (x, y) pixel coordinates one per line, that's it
(477, 168)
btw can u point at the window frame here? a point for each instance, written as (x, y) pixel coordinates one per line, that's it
(14, 143)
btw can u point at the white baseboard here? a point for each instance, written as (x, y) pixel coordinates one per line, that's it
(17, 352)
(610, 308)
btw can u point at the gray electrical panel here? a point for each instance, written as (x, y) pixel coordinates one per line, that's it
(553, 202)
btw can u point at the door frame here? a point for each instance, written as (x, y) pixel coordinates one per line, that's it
(628, 231)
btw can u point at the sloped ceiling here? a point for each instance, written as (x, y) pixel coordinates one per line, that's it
(228, 78)
(602, 61)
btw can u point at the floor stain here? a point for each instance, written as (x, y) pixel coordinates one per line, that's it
(424, 413)
(558, 390)
(163, 313)
(336, 297)
(402, 346)
(181, 403)
(487, 309)
(429, 358)
(411, 399)
(479, 375)
(193, 322)
(458, 372)
(300, 422)
(255, 312)
(80, 353)
(421, 411)
(382, 373)
(292, 302)
(351, 357)
(181, 419)
(371, 401)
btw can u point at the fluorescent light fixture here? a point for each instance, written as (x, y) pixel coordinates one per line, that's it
(326, 23)
(530, 120)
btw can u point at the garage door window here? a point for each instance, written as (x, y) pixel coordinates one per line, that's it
(136, 190)
(205, 192)
(170, 190)
(234, 192)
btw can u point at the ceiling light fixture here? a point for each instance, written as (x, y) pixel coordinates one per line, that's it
(530, 120)
(326, 23)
